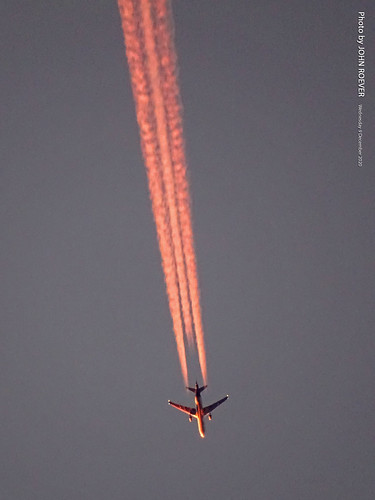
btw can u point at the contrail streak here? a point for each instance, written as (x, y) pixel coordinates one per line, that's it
(152, 62)
(174, 117)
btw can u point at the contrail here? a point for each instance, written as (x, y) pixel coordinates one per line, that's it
(152, 62)
(173, 110)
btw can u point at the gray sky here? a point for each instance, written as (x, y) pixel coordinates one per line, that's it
(284, 233)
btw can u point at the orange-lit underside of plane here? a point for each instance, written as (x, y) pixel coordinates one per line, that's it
(198, 412)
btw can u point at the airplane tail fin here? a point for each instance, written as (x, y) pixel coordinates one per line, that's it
(200, 389)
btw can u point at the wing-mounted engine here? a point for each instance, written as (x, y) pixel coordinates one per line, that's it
(209, 416)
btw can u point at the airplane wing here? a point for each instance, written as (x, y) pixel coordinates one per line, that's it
(185, 409)
(210, 408)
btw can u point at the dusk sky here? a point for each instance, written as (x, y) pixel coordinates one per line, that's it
(284, 234)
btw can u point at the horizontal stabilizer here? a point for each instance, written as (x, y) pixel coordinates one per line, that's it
(198, 389)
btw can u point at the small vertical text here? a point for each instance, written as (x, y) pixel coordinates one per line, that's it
(361, 77)
(360, 135)
(361, 55)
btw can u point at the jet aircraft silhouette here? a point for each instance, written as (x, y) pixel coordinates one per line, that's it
(198, 412)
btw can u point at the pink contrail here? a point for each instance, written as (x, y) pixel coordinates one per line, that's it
(152, 62)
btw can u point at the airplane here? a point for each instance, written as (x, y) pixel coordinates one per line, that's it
(198, 412)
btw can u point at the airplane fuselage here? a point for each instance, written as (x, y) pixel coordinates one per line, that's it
(200, 414)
